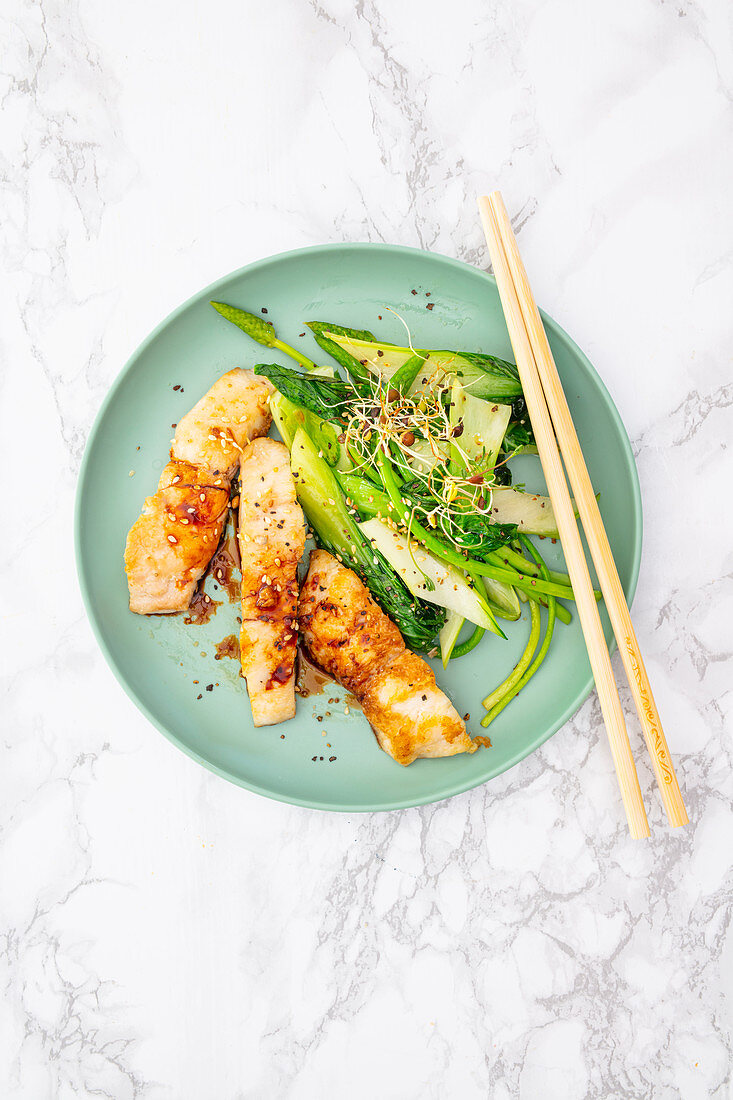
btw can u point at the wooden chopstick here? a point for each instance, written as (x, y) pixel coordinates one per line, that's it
(568, 529)
(595, 532)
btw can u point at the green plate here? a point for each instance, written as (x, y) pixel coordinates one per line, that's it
(159, 659)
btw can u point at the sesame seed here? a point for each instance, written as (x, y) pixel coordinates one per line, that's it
(172, 538)
(131, 473)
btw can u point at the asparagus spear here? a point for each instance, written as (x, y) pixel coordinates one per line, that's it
(263, 332)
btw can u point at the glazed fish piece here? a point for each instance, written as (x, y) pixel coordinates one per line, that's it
(234, 411)
(271, 544)
(169, 547)
(172, 542)
(351, 638)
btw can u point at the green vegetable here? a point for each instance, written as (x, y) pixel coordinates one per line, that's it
(259, 330)
(404, 376)
(483, 375)
(503, 599)
(335, 530)
(531, 512)
(519, 437)
(469, 644)
(289, 417)
(449, 635)
(361, 349)
(428, 577)
(561, 612)
(370, 501)
(465, 528)
(338, 351)
(508, 556)
(326, 397)
(512, 692)
(481, 425)
(429, 454)
(523, 664)
(471, 567)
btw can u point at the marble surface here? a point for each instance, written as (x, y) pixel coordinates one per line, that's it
(165, 934)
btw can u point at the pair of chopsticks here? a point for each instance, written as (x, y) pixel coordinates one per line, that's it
(553, 425)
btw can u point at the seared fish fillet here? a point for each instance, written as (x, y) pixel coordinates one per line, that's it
(235, 410)
(271, 544)
(352, 639)
(171, 544)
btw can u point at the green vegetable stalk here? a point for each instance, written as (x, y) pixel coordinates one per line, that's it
(503, 695)
(510, 576)
(260, 331)
(335, 530)
(470, 643)
(343, 357)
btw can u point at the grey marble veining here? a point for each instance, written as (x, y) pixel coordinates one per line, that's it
(164, 934)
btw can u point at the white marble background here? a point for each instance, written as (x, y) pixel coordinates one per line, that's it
(164, 934)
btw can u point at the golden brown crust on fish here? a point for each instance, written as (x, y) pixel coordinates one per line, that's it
(271, 544)
(352, 639)
(234, 411)
(169, 547)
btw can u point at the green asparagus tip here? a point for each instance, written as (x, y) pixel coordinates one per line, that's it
(254, 326)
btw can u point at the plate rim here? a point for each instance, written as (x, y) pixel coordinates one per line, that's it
(445, 792)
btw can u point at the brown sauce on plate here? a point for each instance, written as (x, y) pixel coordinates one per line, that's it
(223, 563)
(227, 647)
(312, 679)
(201, 609)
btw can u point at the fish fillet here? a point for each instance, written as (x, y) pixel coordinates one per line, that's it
(169, 547)
(271, 544)
(352, 639)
